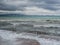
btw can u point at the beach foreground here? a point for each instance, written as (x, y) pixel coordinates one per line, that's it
(12, 38)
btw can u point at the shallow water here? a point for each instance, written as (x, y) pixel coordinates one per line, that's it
(9, 38)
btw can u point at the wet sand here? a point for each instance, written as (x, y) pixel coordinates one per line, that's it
(22, 41)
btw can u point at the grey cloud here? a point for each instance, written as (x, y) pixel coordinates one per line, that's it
(10, 7)
(7, 7)
(53, 1)
(47, 1)
(46, 4)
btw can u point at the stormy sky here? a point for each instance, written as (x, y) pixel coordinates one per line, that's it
(31, 7)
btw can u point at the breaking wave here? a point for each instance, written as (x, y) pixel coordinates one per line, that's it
(9, 37)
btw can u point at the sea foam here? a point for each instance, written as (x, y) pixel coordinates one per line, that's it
(10, 38)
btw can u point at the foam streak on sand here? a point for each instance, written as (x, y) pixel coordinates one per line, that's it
(10, 38)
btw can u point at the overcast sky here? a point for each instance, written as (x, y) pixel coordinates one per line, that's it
(31, 7)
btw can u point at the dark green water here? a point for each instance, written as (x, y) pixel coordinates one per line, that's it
(21, 16)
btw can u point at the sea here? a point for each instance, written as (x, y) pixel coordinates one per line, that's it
(33, 17)
(43, 28)
(22, 16)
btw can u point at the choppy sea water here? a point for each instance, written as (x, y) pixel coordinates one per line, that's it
(22, 27)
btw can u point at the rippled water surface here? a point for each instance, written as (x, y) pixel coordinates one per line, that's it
(46, 32)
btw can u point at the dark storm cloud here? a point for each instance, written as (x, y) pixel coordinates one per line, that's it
(7, 7)
(46, 4)
(11, 6)
(47, 1)
(4, 6)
